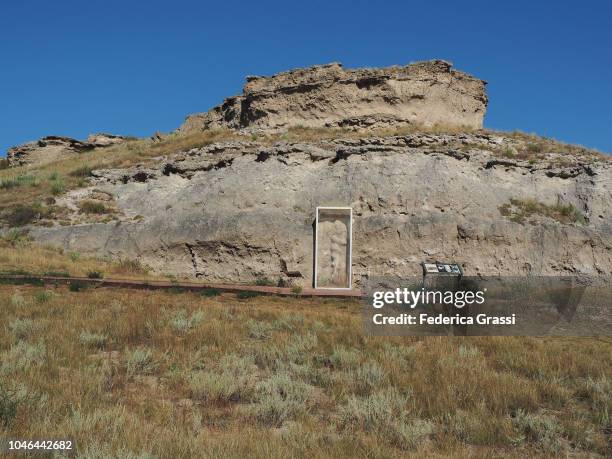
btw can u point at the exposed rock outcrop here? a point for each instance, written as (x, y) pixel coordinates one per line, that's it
(54, 148)
(45, 150)
(102, 139)
(425, 94)
(236, 211)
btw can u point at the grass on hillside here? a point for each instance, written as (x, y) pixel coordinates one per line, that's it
(36, 186)
(534, 147)
(127, 373)
(27, 193)
(19, 256)
(520, 210)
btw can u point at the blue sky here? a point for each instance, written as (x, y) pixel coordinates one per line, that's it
(73, 67)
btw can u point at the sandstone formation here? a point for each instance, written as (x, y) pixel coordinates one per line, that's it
(54, 148)
(425, 94)
(237, 211)
(102, 139)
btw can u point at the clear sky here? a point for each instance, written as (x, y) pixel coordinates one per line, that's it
(125, 67)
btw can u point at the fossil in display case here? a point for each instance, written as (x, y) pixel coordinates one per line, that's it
(333, 246)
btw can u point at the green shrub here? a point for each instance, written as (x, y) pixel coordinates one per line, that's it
(296, 290)
(509, 153)
(93, 207)
(74, 256)
(140, 361)
(10, 400)
(95, 274)
(299, 346)
(18, 300)
(368, 376)
(76, 286)
(210, 292)
(264, 281)
(385, 413)
(404, 356)
(467, 351)
(409, 435)
(16, 237)
(467, 426)
(234, 380)
(43, 296)
(246, 294)
(376, 411)
(259, 330)
(23, 328)
(132, 266)
(288, 322)
(23, 356)
(343, 358)
(280, 398)
(541, 429)
(4, 164)
(21, 215)
(569, 212)
(56, 274)
(19, 181)
(518, 210)
(598, 393)
(57, 187)
(84, 171)
(182, 323)
(211, 386)
(29, 280)
(534, 148)
(93, 340)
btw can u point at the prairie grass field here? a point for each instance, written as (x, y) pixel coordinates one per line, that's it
(170, 374)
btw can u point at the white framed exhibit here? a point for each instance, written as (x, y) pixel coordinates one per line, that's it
(333, 248)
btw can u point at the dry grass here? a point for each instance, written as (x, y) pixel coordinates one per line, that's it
(181, 375)
(19, 256)
(535, 147)
(520, 210)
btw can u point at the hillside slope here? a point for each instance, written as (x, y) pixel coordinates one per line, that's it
(239, 210)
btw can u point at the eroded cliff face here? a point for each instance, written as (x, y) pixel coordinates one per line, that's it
(236, 211)
(425, 94)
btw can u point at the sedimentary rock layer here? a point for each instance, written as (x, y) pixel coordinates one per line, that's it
(236, 211)
(426, 94)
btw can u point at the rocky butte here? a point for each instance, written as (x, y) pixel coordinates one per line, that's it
(426, 93)
(244, 208)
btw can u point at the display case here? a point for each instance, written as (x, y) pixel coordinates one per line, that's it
(333, 247)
